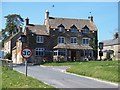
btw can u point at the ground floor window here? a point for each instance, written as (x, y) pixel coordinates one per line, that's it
(55, 52)
(86, 53)
(39, 51)
(60, 52)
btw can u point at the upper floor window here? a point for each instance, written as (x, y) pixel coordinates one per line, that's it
(39, 51)
(61, 28)
(73, 29)
(85, 31)
(61, 40)
(85, 41)
(39, 39)
(74, 40)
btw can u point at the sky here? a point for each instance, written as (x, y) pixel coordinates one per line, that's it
(105, 13)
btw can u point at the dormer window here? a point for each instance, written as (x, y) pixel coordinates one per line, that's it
(61, 28)
(73, 29)
(85, 30)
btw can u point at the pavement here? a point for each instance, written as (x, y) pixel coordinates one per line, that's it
(58, 77)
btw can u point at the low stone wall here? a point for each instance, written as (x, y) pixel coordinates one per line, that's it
(6, 63)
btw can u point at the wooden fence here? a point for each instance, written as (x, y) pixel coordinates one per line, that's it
(6, 63)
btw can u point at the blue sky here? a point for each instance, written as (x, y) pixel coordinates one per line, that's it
(105, 13)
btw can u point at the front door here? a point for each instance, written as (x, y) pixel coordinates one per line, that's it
(73, 55)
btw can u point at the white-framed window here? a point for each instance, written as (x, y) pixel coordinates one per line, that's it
(85, 31)
(61, 29)
(73, 40)
(39, 52)
(39, 39)
(61, 40)
(73, 29)
(55, 52)
(85, 41)
(60, 52)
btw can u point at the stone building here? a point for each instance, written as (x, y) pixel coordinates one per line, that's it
(114, 45)
(10, 43)
(62, 39)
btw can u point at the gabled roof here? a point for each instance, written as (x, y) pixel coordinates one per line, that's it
(111, 42)
(68, 22)
(38, 29)
(13, 36)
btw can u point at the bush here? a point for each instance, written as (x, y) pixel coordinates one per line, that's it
(8, 56)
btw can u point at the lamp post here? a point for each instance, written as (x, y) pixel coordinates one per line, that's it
(100, 52)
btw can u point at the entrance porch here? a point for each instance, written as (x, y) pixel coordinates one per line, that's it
(72, 55)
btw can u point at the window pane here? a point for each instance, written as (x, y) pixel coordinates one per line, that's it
(61, 52)
(39, 51)
(61, 40)
(85, 31)
(61, 29)
(83, 41)
(86, 41)
(39, 39)
(73, 29)
(36, 53)
(73, 40)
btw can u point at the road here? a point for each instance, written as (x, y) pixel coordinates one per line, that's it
(57, 77)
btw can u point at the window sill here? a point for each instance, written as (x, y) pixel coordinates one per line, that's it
(40, 42)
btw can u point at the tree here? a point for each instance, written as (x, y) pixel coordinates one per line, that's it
(13, 21)
(94, 44)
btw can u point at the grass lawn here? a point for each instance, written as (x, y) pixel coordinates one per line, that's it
(14, 79)
(106, 70)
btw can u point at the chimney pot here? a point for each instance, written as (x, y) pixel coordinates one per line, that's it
(90, 18)
(116, 35)
(46, 14)
(27, 21)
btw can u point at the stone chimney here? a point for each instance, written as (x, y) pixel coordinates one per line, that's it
(90, 18)
(46, 14)
(116, 35)
(27, 21)
(20, 28)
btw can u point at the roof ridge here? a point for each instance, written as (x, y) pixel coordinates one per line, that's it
(40, 24)
(69, 18)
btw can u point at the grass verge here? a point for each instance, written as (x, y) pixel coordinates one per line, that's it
(14, 79)
(105, 70)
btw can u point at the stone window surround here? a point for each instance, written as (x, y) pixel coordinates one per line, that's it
(61, 40)
(39, 52)
(73, 40)
(39, 39)
(86, 42)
